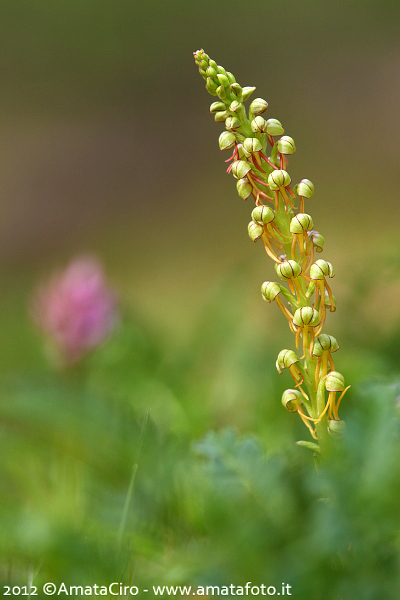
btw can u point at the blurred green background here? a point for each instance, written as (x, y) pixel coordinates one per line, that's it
(107, 147)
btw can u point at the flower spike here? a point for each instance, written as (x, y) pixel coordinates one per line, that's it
(259, 162)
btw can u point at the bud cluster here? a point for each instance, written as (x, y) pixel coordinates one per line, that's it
(259, 162)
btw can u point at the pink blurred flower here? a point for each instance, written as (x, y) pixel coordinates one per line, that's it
(76, 309)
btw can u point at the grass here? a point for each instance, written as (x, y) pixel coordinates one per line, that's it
(154, 468)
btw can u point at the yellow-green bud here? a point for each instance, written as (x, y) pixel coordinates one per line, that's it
(262, 214)
(286, 358)
(336, 427)
(244, 188)
(221, 116)
(317, 239)
(200, 55)
(288, 269)
(258, 125)
(321, 269)
(274, 127)
(235, 105)
(223, 80)
(221, 92)
(301, 222)
(334, 382)
(278, 179)
(306, 316)
(240, 168)
(232, 123)
(211, 85)
(210, 72)
(305, 188)
(247, 91)
(255, 231)
(212, 63)
(216, 107)
(258, 106)
(325, 343)
(270, 290)
(251, 145)
(286, 145)
(230, 77)
(237, 90)
(221, 69)
(292, 400)
(226, 140)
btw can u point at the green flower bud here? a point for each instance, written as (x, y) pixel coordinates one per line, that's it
(210, 72)
(201, 57)
(258, 106)
(221, 69)
(270, 290)
(336, 427)
(240, 168)
(237, 90)
(251, 145)
(278, 179)
(221, 92)
(258, 125)
(255, 231)
(217, 107)
(305, 188)
(220, 117)
(224, 81)
(232, 123)
(292, 400)
(321, 269)
(334, 382)
(274, 127)
(286, 358)
(288, 269)
(235, 105)
(325, 343)
(244, 188)
(226, 140)
(211, 85)
(262, 214)
(230, 77)
(317, 239)
(247, 91)
(213, 64)
(301, 222)
(306, 316)
(210, 89)
(286, 145)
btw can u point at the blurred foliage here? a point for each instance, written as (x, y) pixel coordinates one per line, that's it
(123, 469)
(166, 456)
